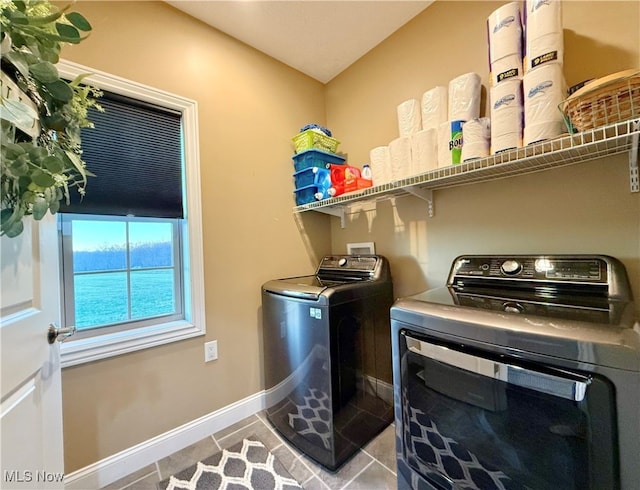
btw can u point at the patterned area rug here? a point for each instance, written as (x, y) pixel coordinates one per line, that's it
(247, 465)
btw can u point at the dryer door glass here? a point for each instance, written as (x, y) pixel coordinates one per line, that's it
(476, 420)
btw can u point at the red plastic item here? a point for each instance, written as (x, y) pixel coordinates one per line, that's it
(345, 178)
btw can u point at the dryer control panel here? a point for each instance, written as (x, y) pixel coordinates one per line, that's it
(600, 273)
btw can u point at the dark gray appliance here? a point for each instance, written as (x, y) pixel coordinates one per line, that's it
(327, 356)
(522, 373)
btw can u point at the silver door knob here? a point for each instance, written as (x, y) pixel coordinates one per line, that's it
(60, 334)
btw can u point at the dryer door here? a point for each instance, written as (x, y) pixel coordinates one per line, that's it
(474, 419)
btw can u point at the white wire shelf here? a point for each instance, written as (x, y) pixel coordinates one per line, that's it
(567, 150)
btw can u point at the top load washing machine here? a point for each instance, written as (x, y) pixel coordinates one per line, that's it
(327, 356)
(522, 373)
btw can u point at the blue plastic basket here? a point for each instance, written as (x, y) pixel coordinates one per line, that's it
(308, 176)
(305, 195)
(315, 158)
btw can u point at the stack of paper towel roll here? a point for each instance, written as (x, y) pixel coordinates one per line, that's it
(424, 144)
(543, 84)
(380, 163)
(430, 131)
(409, 123)
(504, 27)
(414, 151)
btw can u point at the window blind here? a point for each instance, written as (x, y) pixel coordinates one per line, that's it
(135, 152)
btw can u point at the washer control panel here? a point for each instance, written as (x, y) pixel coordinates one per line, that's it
(349, 262)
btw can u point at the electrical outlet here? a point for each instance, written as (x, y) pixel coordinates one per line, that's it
(210, 351)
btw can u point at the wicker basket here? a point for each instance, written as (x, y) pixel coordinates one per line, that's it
(604, 101)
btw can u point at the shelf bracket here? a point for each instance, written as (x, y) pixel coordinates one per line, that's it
(425, 195)
(338, 211)
(634, 175)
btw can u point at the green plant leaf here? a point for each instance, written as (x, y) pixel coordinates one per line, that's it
(78, 80)
(50, 194)
(37, 154)
(20, 61)
(47, 19)
(40, 35)
(42, 179)
(68, 31)
(17, 113)
(17, 39)
(55, 122)
(13, 151)
(44, 72)
(51, 55)
(77, 163)
(79, 21)
(20, 5)
(19, 166)
(54, 206)
(13, 230)
(40, 206)
(5, 214)
(11, 223)
(53, 164)
(23, 182)
(27, 146)
(17, 17)
(28, 196)
(60, 90)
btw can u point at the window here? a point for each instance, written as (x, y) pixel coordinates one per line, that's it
(120, 272)
(131, 251)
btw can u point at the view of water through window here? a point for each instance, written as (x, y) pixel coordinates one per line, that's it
(123, 271)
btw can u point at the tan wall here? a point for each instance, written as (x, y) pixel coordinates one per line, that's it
(249, 108)
(585, 208)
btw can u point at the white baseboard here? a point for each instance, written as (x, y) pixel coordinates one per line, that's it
(111, 469)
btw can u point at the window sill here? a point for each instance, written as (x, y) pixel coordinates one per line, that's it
(75, 352)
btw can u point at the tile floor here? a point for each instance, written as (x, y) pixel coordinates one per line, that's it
(372, 468)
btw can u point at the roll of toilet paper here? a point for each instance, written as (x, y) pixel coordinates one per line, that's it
(506, 68)
(434, 107)
(476, 137)
(409, 117)
(400, 156)
(449, 143)
(544, 90)
(504, 28)
(380, 162)
(544, 40)
(464, 97)
(505, 142)
(542, 17)
(544, 50)
(506, 111)
(424, 151)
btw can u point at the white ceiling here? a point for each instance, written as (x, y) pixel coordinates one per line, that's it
(318, 38)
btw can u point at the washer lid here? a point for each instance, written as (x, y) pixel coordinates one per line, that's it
(306, 287)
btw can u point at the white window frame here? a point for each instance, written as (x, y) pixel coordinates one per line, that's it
(79, 351)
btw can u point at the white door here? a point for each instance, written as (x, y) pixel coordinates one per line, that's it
(31, 455)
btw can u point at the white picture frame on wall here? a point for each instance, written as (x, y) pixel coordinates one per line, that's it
(363, 248)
